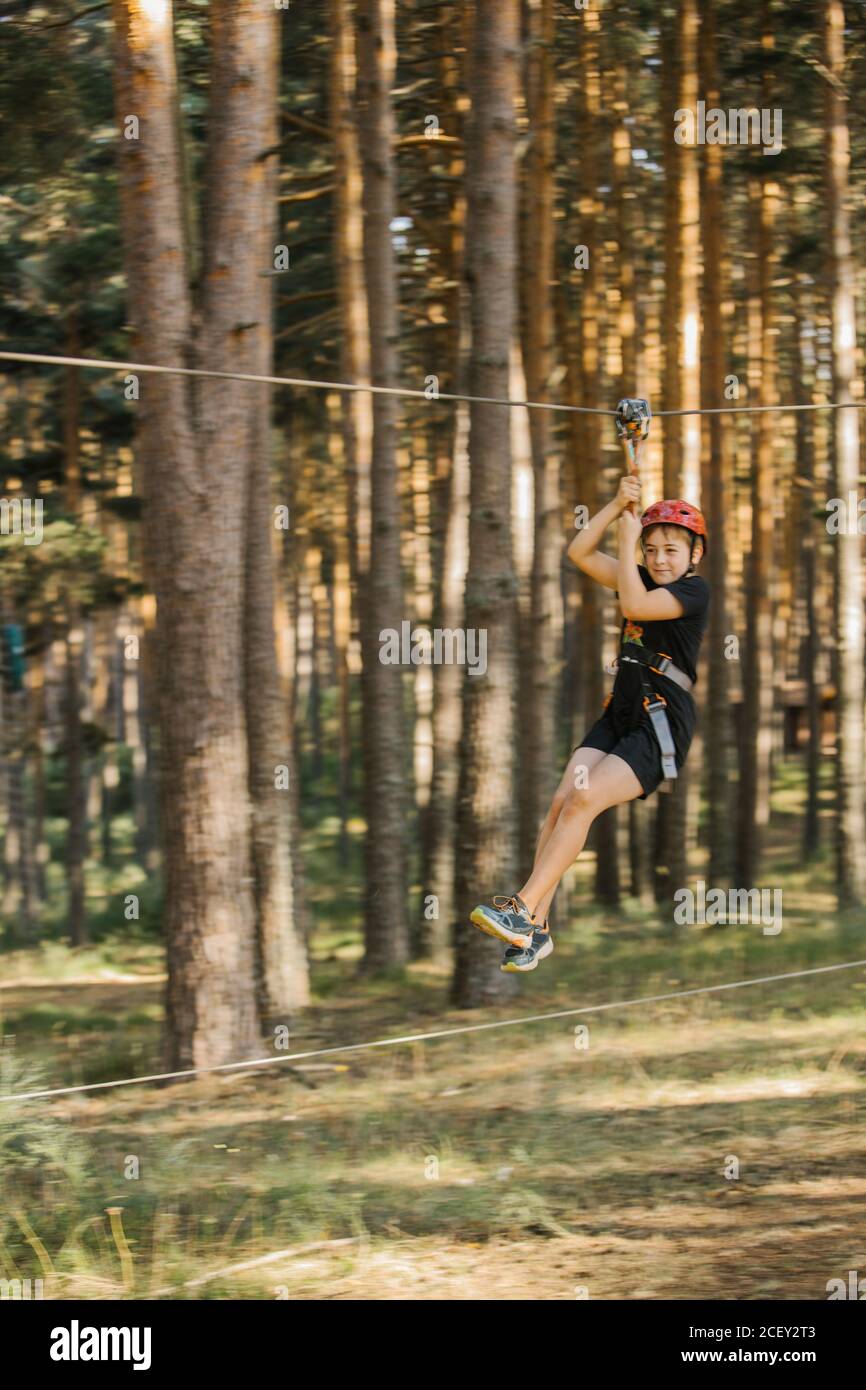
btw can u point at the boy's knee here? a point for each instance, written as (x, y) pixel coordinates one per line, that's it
(577, 801)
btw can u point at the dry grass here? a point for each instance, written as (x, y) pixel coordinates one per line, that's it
(501, 1165)
(497, 1165)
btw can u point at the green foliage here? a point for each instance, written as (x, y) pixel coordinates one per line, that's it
(36, 1148)
(66, 564)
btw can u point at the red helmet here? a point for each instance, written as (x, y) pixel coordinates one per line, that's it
(675, 512)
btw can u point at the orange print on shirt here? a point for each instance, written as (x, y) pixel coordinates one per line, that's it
(633, 633)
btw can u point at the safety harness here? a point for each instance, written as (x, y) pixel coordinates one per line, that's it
(654, 703)
(632, 419)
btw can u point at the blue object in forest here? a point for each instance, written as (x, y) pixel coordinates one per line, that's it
(13, 657)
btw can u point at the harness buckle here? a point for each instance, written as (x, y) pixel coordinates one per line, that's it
(666, 661)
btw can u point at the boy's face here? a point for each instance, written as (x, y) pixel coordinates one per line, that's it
(667, 550)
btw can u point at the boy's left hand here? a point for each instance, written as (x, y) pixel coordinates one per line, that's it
(630, 526)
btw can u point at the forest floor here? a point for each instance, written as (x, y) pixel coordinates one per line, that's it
(706, 1147)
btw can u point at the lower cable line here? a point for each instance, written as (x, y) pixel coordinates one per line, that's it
(428, 1037)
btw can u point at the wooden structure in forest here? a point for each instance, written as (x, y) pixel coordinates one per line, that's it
(792, 696)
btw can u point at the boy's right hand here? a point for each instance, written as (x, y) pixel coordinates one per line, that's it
(628, 492)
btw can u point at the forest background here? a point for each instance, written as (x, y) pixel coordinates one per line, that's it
(223, 814)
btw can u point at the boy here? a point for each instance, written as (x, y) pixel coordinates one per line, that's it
(648, 721)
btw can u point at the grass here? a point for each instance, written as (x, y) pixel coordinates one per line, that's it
(704, 1147)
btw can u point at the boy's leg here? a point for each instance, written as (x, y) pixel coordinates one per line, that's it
(514, 922)
(611, 783)
(581, 758)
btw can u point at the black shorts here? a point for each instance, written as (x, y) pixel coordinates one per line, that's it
(637, 745)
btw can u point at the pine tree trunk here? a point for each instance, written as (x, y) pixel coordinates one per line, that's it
(449, 524)
(197, 442)
(806, 512)
(422, 452)
(76, 835)
(356, 406)
(281, 920)
(677, 809)
(102, 768)
(386, 909)
(314, 702)
(539, 719)
(487, 823)
(576, 713)
(341, 624)
(631, 383)
(671, 56)
(20, 908)
(136, 678)
(448, 703)
(688, 330)
(848, 592)
(717, 708)
(603, 833)
(754, 803)
(40, 845)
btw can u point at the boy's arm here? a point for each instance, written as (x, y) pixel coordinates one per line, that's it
(582, 550)
(651, 607)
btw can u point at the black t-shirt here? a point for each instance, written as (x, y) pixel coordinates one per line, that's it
(679, 637)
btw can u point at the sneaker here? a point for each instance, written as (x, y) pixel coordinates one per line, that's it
(509, 919)
(527, 957)
(516, 950)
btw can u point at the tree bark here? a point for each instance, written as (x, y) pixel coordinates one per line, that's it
(848, 590)
(539, 717)
(197, 442)
(716, 472)
(386, 925)
(603, 832)
(76, 835)
(807, 504)
(754, 802)
(671, 56)
(449, 523)
(631, 377)
(681, 390)
(281, 918)
(353, 536)
(487, 824)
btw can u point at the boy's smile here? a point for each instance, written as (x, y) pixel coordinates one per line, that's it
(666, 554)
(664, 573)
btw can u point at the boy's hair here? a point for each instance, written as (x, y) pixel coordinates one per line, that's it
(666, 526)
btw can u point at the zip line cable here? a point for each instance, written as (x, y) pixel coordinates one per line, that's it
(36, 357)
(427, 1037)
(292, 381)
